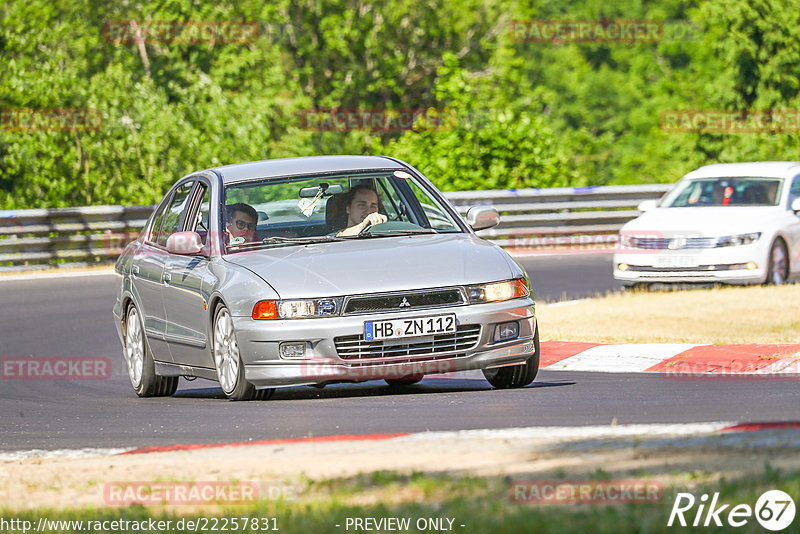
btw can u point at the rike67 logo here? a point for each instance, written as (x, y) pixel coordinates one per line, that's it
(774, 510)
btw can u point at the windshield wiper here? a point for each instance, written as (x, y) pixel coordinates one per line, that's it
(391, 233)
(277, 240)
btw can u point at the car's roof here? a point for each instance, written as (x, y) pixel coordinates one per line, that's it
(307, 165)
(777, 169)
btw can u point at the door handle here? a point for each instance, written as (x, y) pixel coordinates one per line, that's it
(167, 278)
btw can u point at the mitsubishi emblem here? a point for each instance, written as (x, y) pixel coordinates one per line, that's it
(404, 304)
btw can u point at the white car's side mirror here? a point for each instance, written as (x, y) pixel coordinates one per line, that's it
(647, 205)
(796, 206)
(481, 218)
(184, 243)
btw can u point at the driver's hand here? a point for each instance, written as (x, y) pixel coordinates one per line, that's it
(373, 219)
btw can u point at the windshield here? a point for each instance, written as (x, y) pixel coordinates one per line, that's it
(308, 209)
(736, 191)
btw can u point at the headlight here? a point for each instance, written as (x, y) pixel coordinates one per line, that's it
(296, 309)
(499, 291)
(740, 239)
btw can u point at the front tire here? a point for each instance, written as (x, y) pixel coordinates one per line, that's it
(516, 376)
(230, 369)
(139, 361)
(778, 270)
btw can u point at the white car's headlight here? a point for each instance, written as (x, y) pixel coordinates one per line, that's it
(736, 240)
(499, 291)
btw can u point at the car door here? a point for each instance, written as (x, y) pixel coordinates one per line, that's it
(184, 300)
(147, 271)
(793, 228)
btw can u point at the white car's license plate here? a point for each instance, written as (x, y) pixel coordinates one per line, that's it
(676, 261)
(413, 327)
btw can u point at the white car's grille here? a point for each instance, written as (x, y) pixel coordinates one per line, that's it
(429, 347)
(672, 243)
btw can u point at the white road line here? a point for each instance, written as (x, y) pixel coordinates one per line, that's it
(36, 276)
(576, 432)
(632, 358)
(61, 453)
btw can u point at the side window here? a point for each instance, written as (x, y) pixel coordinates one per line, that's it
(157, 220)
(201, 214)
(174, 214)
(794, 192)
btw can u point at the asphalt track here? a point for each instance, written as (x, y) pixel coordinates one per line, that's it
(72, 317)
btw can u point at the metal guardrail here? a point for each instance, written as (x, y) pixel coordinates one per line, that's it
(42, 238)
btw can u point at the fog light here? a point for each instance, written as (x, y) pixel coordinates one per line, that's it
(751, 266)
(293, 350)
(505, 331)
(623, 266)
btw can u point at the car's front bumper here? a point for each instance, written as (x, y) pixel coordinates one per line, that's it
(259, 343)
(745, 264)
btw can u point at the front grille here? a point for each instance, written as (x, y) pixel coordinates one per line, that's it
(421, 349)
(409, 300)
(673, 243)
(724, 267)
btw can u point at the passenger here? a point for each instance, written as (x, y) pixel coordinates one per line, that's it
(240, 222)
(362, 210)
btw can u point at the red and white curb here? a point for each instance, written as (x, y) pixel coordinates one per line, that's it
(672, 358)
(789, 430)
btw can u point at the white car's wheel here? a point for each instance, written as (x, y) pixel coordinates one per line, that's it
(778, 263)
(230, 369)
(139, 361)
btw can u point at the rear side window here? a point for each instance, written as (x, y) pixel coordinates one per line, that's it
(174, 214)
(794, 192)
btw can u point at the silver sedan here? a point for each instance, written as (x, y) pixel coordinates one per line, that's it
(311, 271)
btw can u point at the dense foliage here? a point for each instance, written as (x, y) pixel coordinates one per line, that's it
(519, 114)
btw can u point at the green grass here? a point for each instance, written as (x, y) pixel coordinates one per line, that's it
(481, 504)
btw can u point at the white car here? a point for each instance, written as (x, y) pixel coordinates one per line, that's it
(730, 223)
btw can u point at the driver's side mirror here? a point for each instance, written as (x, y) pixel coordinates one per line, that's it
(647, 205)
(796, 206)
(481, 218)
(184, 243)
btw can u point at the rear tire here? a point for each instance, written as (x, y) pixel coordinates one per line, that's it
(516, 376)
(228, 362)
(778, 270)
(140, 363)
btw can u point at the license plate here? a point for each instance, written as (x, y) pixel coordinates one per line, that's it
(417, 326)
(676, 261)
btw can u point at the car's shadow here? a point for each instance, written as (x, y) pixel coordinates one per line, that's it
(369, 389)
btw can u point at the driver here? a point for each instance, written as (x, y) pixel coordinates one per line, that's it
(240, 222)
(362, 210)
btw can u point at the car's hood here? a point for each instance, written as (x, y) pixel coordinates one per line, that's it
(377, 264)
(705, 221)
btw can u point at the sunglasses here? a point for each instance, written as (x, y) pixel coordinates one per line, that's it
(241, 225)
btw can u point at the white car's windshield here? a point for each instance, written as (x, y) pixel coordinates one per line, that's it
(299, 210)
(735, 191)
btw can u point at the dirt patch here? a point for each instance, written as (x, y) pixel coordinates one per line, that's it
(284, 470)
